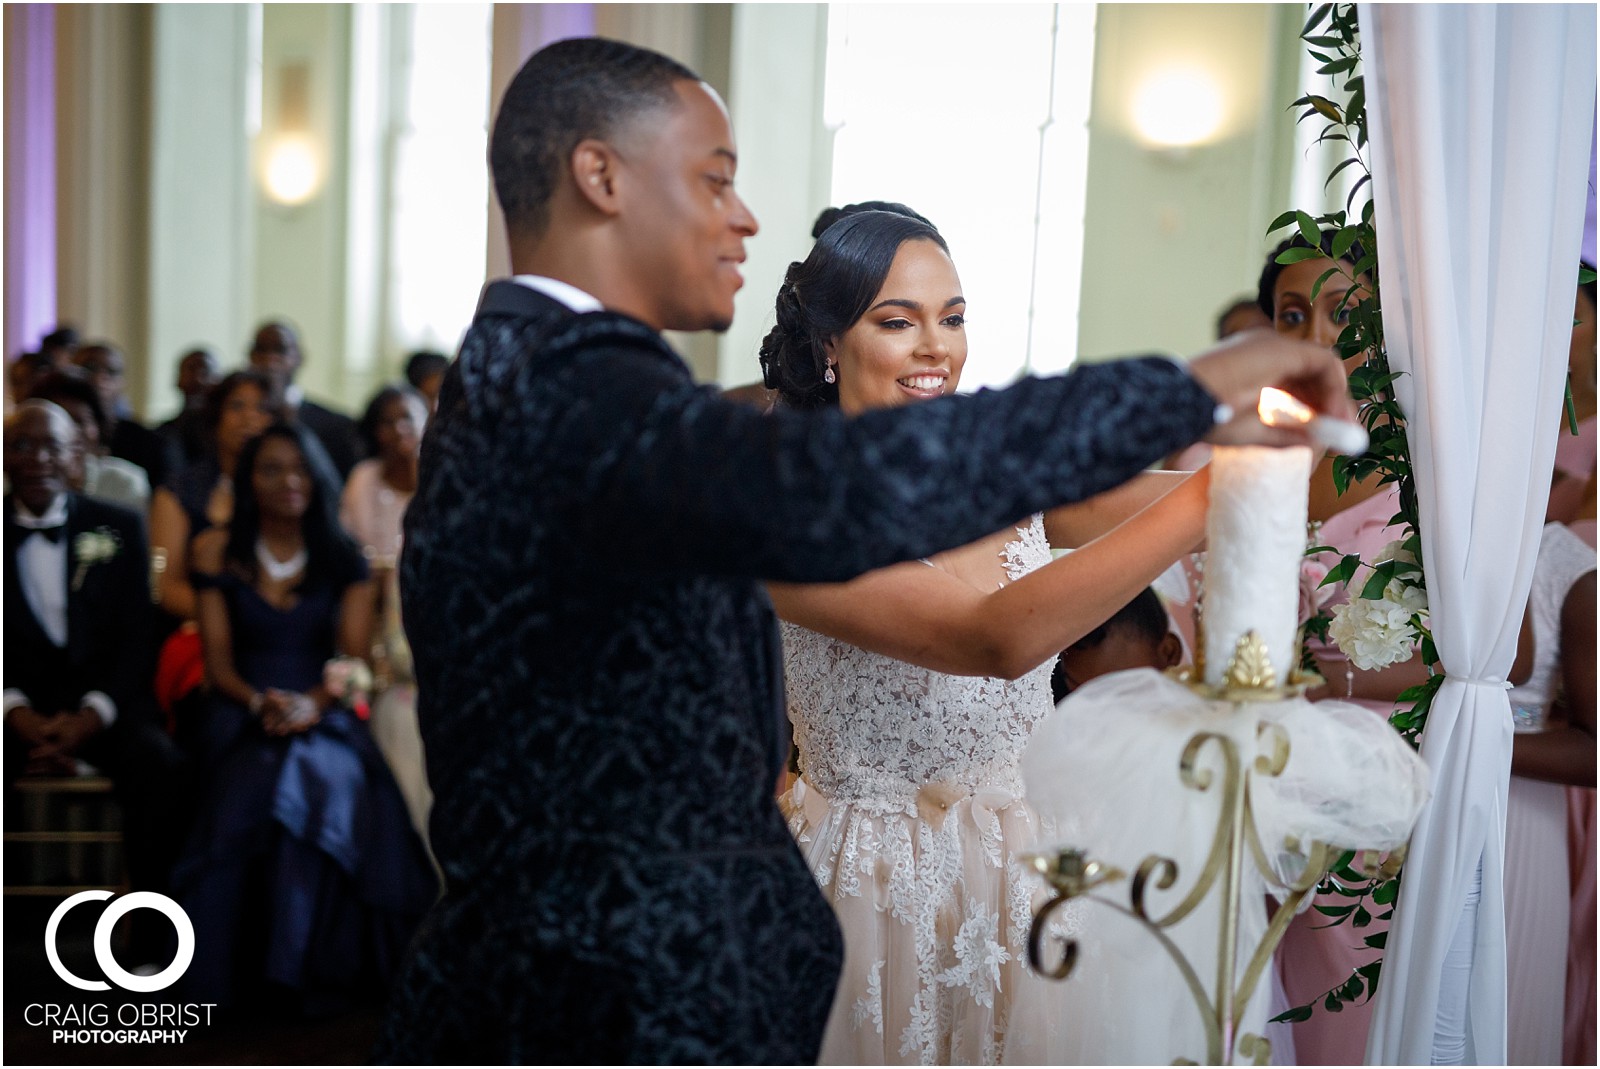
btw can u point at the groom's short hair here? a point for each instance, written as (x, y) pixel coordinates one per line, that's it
(584, 87)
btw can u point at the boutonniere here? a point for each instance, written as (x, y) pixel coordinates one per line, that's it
(91, 548)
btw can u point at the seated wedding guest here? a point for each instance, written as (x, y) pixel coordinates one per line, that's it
(303, 876)
(24, 369)
(237, 409)
(1243, 314)
(275, 352)
(95, 473)
(1138, 636)
(77, 652)
(373, 504)
(104, 365)
(913, 689)
(425, 372)
(198, 371)
(59, 346)
(1554, 748)
(379, 488)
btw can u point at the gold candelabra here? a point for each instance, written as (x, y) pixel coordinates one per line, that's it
(1072, 874)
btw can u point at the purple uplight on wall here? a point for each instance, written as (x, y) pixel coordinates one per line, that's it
(30, 175)
(1588, 218)
(556, 22)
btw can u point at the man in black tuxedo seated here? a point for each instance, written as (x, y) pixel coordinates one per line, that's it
(275, 352)
(78, 658)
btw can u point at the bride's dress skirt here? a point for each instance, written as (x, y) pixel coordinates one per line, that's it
(935, 910)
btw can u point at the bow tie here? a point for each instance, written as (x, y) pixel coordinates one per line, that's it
(50, 534)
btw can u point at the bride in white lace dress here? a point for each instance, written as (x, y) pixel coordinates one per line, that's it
(914, 689)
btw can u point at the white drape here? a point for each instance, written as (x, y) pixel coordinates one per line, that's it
(1480, 119)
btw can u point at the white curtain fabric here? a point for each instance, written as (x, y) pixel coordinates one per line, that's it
(1480, 119)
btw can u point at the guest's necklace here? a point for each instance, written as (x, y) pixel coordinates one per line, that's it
(279, 570)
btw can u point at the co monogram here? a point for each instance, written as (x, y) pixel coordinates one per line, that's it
(102, 941)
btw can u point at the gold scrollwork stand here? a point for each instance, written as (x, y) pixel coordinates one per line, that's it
(1072, 874)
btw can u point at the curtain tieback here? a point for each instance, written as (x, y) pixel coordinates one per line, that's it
(1498, 684)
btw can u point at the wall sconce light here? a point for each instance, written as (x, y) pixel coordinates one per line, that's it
(291, 166)
(1177, 108)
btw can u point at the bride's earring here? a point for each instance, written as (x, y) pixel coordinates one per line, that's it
(828, 375)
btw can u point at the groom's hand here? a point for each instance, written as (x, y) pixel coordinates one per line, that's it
(1236, 370)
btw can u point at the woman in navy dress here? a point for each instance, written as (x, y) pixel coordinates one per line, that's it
(303, 877)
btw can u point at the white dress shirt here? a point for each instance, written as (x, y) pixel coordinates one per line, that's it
(565, 292)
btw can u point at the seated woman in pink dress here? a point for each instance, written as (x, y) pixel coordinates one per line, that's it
(371, 509)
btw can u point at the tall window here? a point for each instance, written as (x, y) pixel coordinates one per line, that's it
(996, 158)
(441, 129)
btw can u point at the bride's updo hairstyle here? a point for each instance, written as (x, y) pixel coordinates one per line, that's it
(823, 295)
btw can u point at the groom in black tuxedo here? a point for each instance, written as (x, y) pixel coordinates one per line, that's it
(599, 670)
(78, 656)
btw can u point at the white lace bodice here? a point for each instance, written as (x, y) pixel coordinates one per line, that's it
(873, 730)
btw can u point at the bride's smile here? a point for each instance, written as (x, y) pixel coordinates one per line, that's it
(911, 343)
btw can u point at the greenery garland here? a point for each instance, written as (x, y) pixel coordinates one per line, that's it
(1332, 36)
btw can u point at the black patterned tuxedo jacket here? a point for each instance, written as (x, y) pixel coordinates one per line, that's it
(599, 671)
(109, 645)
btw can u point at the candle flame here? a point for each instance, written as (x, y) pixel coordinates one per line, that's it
(1279, 409)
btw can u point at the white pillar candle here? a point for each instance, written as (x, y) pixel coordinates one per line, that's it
(1255, 538)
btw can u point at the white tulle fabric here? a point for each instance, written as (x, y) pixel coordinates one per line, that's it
(909, 812)
(1104, 769)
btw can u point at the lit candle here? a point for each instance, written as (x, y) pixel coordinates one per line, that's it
(1255, 538)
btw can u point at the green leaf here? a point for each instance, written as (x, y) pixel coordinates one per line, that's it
(1363, 180)
(1295, 255)
(1316, 287)
(1366, 213)
(1341, 476)
(1282, 221)
(1308, 229)
(1386, 893)
(1339, 66)
(1326, 107)
(1337, 911)
(1361, 919)
(1346, 237)
(1314, 550)
(1323, 42)
(1299, 1013)
(1373, 589)
(1366, 263)
(1332, 1004)
(1342, 572)
(1316, 18)
(1378, 940)
(1585, 275)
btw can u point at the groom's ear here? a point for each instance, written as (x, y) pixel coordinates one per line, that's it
(594, 168)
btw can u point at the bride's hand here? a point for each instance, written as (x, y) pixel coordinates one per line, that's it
(1236, 370)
